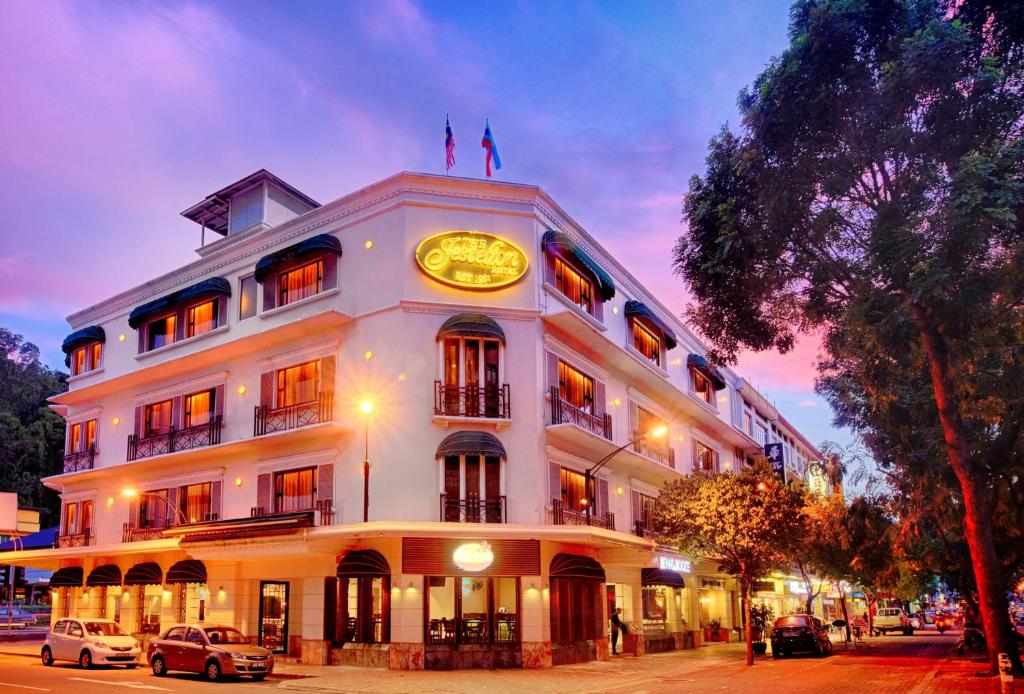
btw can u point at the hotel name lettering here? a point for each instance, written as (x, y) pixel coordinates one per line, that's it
(471, 260)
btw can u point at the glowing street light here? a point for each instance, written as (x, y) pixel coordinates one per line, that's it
(657, 432)
(131, 493)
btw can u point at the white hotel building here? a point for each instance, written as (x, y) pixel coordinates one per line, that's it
(479, 349)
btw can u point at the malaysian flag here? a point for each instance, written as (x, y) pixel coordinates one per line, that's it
(449, 145)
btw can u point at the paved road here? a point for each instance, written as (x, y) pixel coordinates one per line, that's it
(908, 665)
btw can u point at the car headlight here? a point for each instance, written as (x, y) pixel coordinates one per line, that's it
(237, 656)
(99, 643)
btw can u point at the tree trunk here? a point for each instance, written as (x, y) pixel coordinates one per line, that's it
(871, 613)
(745, 596)
(988, 574)
(846, 614)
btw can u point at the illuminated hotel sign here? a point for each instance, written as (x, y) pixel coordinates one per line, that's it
(471, 260)
(473, 556)
(674, 564)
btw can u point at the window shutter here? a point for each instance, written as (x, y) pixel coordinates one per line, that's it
(173, 517)
(263, 492)
(602, 497)
(552, 369)
(133, 512)
(176, 413)
(637, 507)
(325, 482)
(270, 291)
(267, 389)
(599, 398)
(327, 373)
(632, 420)
(217, 500)
(331, 261)
(693, 456)
(222, 311)
(218, 401)
(554, 481)
(138, 420)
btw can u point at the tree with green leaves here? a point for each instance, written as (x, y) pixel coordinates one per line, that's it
(877, 188)
(31, 435)
(742, 521)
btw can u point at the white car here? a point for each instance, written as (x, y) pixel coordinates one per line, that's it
(892, 619)
(90, 642)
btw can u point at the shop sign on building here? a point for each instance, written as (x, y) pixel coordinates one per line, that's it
(773, 452)
(677, 564)
(473, 556)
(471, 260)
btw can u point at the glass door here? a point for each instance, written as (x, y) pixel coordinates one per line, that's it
(274, 616)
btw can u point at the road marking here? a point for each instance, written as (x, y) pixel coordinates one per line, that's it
(23, 686)
(112, 683)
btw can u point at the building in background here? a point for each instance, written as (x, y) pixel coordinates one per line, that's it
(423, 425)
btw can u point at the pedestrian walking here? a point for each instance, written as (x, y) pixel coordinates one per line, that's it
(617, 626)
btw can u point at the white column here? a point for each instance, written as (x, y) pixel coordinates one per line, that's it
(462, 478)
(440, 475)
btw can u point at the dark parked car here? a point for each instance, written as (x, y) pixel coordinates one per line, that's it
(214, 651)
(800, 632)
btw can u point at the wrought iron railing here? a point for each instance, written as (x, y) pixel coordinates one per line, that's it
(563, 412)
(80, 460)
(641, 530)
(130, 532)
(175, 440)
(323, 508)
(471, 401)
(563, 516)
(473, 509)
(82, 539)
(657, 451)
(267, 420)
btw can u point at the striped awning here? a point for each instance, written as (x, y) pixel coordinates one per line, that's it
(638, 309)
(557, 241)
(144, 574)
(471, 325)
(69, 576)
(187, 571)
(661, 577)
(699, 363)
(364, 562)
(106, 575)
(575, 566)
(471, 443)
(321, 243)
(208, 287)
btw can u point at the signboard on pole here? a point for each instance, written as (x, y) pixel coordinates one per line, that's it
(773, 452)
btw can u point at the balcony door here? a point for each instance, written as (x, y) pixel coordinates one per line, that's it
(472, 488)
(471, 367)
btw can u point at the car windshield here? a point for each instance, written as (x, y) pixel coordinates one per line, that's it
(791, 621)
(104, 629)
(225, 635)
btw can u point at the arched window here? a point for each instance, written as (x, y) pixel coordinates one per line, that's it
(471, 476)
(472, 371)
(363, 598)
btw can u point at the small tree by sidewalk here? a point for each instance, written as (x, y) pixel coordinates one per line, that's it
(744, 521)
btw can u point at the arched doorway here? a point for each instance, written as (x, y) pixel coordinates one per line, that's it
(577, 609)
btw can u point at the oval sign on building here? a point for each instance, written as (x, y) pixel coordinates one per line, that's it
(473, 556)
(471, 260)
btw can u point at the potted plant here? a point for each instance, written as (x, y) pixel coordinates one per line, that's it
(761, 617)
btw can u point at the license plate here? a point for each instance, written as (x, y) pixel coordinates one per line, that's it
(791, 632)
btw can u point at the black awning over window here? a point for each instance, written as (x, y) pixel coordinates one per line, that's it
(93, 333)
(638, 309)
(471, 325)
(560, 242)
(145, 574)
(470, 443)
(322, 243)
(364, 562)
(661, 577)
(699, 363)
(106, 575)
(69, 576)
(575, 566)
(209, 287)
(187, 571)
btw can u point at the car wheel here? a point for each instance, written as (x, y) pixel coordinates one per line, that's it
(159, 666)
(47, 656)
(212, 670)
(85, 660)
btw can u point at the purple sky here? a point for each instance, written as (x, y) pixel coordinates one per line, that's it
(117, 116)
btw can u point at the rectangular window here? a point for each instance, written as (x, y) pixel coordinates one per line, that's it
(157, 418)
(707, 458)
(247, 297)
(298, 384)
(574, 495)
(78, 361)
(202, 318)
(85, 517)
(575, 388)
(198, 408)
(748, 424)
(96, 356)
(472, 610)
(646, 511)
(194, 502)
(75, 439)
(300, 283)
(90, 435)
(295, 490)
(160, 332)
(703, 387)
(153, 509)
(70, 526)
(577, 288)
(646, 343)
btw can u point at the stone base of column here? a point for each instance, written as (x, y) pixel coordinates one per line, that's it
(536, 654)
(406, 656)
(314, 652)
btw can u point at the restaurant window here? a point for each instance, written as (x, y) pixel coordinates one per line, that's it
(160, 333)
(702, 386)
(574, 286)
(153, 507)
(646, 342)
(247, 297)
(574, 495)
(472, 610)
(575, 388)
(364, 607)
(298, 384)
(199, 408)
(707, 457)
(295, 490)
(194, 502)
(655, 604)
(300, 283)
(202, 318)
(77, 518)
(82, 437)
(157, 418)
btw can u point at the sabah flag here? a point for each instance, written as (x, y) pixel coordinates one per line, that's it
(491, 146)
(449, 145)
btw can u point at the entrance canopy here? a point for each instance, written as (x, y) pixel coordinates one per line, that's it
(106, 575)
(364, 562)
(145, 574)
(661, 577)
(576, 566)
(69, 576)
(187, 571)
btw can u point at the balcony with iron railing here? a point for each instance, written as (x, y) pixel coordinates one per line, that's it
(82, 539)
(658, 451)
(268, 420)
(473, 509)
(132, 532)
(563, 412)
(563, 516)
(175, 440)
(322, 512)
(488, 402)
(641, 529)
(80, 460)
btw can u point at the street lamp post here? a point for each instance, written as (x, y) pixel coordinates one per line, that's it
(656, 432)
(366, 407)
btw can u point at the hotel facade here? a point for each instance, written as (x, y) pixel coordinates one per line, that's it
(421, 426)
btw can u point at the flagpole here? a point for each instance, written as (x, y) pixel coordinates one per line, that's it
(447, 124)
